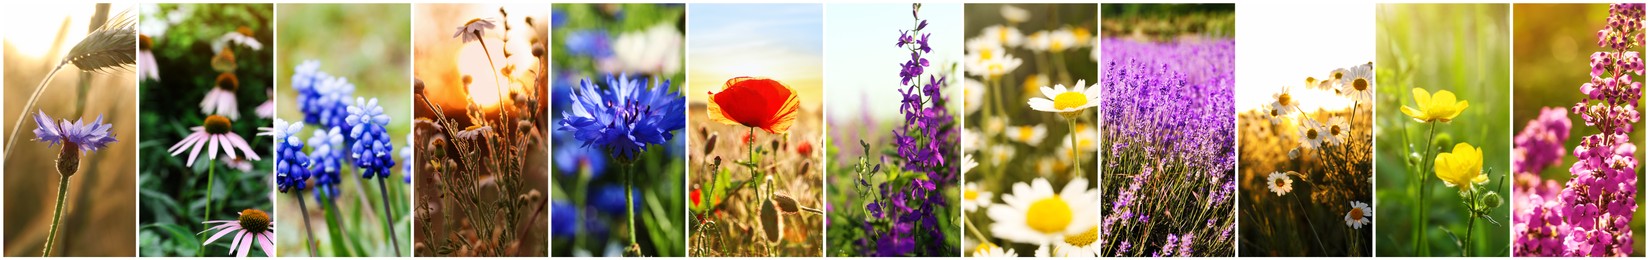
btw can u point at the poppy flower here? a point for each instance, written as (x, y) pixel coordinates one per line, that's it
(755, 102)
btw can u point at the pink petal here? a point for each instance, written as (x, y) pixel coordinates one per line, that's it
(220, 234)
(194, 152)
(223, 142)
(241, 142)
(266, 243)
(212, 147)
(178, 148)
(244, 246)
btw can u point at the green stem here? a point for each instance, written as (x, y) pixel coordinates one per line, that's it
(630, 202)
(29, 106)
(304, 211)
(389, 222)
(749, 145)
(1425, 182)
(57, 215)
(1070, 122)
(211, 170)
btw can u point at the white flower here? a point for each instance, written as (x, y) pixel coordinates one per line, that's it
(989, 60)
(1015, 14)
(1312, 134)
(656, 50)
(1062, 100)
(991, 250)
(1037, 41)
(1338, 75)
(970, 141)
(973, 198)
(1271, 112)
(474, 132)
(1062, 39)
(1001, 153)
(1279, 183)
(1034, 214)
(1358, 83)
(968, 163)
(1002, 35)
(1031, 135)
(1042, 251)
(1358, 216)
(1093, 53)
(241, 37)
(1336, 130)
(1284, 102)
(1082, 244)
(995, 126)
(472, 30)
(1050, 165)
(973, 95)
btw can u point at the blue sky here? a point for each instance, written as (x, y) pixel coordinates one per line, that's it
(863, 68)
(784, 42)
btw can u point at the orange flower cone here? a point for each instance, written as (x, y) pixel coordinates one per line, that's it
(755, 102)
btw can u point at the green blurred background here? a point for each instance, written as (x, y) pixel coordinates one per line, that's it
(1461, 48)
(369, 44)
(173, 197)
(1552, 46)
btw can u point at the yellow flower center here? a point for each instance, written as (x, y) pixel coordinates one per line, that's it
(243, 30)
(254, 221)
(970, 194)
(1070, 99)
(1275, 112)
(986, 54)
(1048, 215)
(1356, 213)
(1338, 75)
(1310, 79)
(1025, 133)
(1285, 99)
(1360, 84)
(1084, 239)
(1279, 183)
(1334, 130)
(216, 124)
(1002, 34)
(983, 249)
(1311, 133)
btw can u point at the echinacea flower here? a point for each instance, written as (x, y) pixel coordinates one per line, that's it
(1066, 101)
(987, 249)
(1462, 168)
(1358, 216)
(755, 102)
(1279, 183)
(224, 60)
(472, 30)
(625, 116)
(215, 133)
(267, 109)
(221, 99)
(1434, 107)
(973, 198)
(1035, 214)
(242, 36)
(371, 149)
(1031, 135)
(1081, 244)
(1358, 83)
(253, 226)
(146, 66)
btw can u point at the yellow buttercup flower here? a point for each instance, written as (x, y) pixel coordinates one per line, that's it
(1439, 107)
(1462, 168)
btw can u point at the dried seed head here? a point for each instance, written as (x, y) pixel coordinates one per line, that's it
(786, 204)
(468, 80)
(772, 224)
(710, 145)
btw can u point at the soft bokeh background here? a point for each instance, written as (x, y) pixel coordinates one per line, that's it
(99, 217)
(1552, 46)
(588, 189)
(370, 45)
(1461, 48)
(864, 88)
(1004, 159)
(174, 196)
(783, 42)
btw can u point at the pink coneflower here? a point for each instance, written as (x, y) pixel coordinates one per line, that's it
(267, 109)
(221, 99)
(253, 226)
(214, 134)
(146, 66)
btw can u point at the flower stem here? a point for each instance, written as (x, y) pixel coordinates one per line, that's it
(29, 106)
(304, 211)
(1071, 123)
(1420, 234)
(495, 81)
(389, 223)
(211, 170)
(630, 202)
(57, 215)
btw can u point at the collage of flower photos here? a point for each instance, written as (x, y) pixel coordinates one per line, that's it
(822, 129)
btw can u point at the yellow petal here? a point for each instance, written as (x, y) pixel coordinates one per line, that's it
(1421, 98)
(1416, 114)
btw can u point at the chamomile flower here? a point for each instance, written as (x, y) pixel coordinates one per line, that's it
(968, 163)
(221, 99)
(1035, 214)
(1279, 183)
(1312, 134)
(215, 133)
(995, 125)
(970, 141)
(1081, 244)
(1068, 102)
(973, 95)
(1085, 136)
(1037, 41)
(1031, 135)
(472, 30)
(974, 198)
(1272, 113)
(1001, 153)
(991, 250)
(1358, 216)
(1338, 75)
(1015, 14)
(989, 60)
(1284, 102)
(1358, 83)
(1062, 39)
(1337, 130)
(1005, 36)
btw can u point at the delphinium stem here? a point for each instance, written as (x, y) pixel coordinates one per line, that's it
(57, 215)
(310, 231)
(389, 222)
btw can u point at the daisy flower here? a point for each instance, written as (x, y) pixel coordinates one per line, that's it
(995, 126)
(973, 198)
(1079, 244)
(1338, 75)
(1037, 41)
(1003, 35)
(973, 95)
(1035, 214)
(253, 226)
(1358, 216)
(1043, 251)
(475, 131)
(1312, 134)
(1001, 153)
(1061, 39)
(970, 141)
(1015, 14)
(1272, 113)
(968, 163)
(1284, 102)
(1337, 130)
(1031, 135)
(1279, 183)
(991, 250)
(1050, 165)
(471, 31)
(1085, 136)
(1358, 83)
(221, 99)
(989, 60)
(1067, 102)
(146, 59)
(215, 133)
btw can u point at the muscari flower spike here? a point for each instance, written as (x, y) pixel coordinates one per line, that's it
(325, 160)
(291, 163)
(372, 149)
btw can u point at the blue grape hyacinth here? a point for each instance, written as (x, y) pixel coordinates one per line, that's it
(322, 98)
(624, 117)
(291, 164)
(372, 149)
(325, 158)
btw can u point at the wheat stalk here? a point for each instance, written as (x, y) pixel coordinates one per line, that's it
(112, 46)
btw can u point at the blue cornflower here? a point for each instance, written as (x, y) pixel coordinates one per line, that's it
(563, 220)
(624, 117)
(570, 159)
(325, 158)
(77, 135)
(609, 199)
(592, 43)
(371, 149)
(291, 164)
